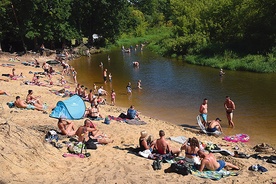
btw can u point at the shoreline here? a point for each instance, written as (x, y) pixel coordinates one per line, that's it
(25, 155)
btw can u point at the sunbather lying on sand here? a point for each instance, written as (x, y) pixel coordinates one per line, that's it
(22, 104)
(84, 134)
(3, 92)
(210, 162)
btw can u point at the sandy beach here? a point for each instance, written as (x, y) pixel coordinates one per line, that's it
(26, 157)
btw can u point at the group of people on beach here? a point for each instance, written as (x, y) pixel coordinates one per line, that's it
(194, 151)
(214, 125)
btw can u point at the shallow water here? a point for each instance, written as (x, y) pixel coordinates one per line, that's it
(173, 91)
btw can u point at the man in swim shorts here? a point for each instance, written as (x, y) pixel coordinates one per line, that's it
(210, 162)
(229, 106)
(22, 104)
(203, 111)
(214, 125)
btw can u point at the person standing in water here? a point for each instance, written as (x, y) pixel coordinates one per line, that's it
(203, 111)
(229, 106)
(139, 84)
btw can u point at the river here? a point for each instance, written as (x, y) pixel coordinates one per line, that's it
(173, 90)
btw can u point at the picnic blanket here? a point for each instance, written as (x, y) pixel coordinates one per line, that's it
(214, 175)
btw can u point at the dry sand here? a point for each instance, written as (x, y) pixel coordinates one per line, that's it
(26, 158)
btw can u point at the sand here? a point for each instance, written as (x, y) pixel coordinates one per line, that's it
(25, 156)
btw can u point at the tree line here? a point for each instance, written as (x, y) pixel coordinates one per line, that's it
(205, 27)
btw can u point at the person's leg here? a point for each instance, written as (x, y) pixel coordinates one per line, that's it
(232, 166)
(228, 118)
(231, 119)
(104, 141)
(71, 129)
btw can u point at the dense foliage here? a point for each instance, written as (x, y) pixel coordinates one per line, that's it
(201, 28)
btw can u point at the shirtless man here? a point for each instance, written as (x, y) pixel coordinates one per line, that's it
(22, 104)
(214, 125)
(203, 111)
(105, 75)
(66, 127)
(90, 96)
(229, 106)
(210, 162)
(84, 132)
(163, 146)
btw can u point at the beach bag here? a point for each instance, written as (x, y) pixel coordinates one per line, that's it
(107, 120)
(90, 144)
(75, 148)
(179, 169)
(51, 136)
(123, 116)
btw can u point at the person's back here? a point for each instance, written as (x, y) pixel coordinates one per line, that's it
(214, 125)
(210, 162)
(161, 144)
(131, 113)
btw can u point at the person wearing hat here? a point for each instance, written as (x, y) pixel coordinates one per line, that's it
(214, 125)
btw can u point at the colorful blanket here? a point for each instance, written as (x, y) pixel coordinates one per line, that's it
(237, 138)
(214, 175)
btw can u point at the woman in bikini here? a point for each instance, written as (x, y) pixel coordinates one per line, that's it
(191, 148)
(30, 99)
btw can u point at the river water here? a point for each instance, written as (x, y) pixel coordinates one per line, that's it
(173, 90)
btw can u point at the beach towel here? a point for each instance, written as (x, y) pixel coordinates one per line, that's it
(237, 138)
(213, 175)
(135, 122)
(179, 139)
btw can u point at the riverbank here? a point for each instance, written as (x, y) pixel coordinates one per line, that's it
(26, 157)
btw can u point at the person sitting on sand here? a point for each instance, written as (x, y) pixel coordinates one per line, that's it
(214, 125)
(13, 76)
(132, 113)
(66, 127)
(146, 143)
(101, 100)
(102, 92)
(163, 146)
(22, 104)
(210, 162)
(191, 147)
(31, 99)
(93, 112)
(35, 80)
(86, 131)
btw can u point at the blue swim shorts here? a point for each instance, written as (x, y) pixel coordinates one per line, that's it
(221, 165)
(29, 106)
(204, 117)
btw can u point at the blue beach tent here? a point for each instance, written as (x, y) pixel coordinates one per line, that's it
(72, 108)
